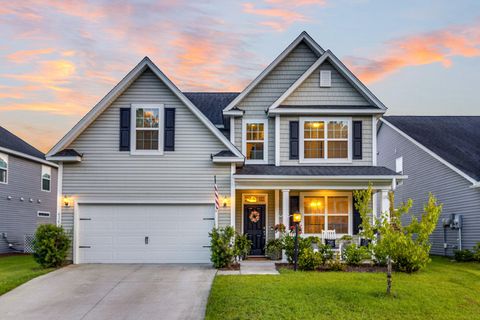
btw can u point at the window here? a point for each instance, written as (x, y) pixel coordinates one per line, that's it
(329, 212)
(43, 214)
(147, 126)
(255, 140)
(325, 78)
(324, 139)
(46, 178)
(3, 168)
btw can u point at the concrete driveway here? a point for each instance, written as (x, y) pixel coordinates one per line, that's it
(122, 291)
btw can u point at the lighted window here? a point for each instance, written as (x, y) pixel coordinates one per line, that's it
(325, 139)
(147, 134)
(255, 141)
(46, 178)
(326, 213)
(3, 168)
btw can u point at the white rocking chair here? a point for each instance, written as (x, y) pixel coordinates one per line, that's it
(330, 235)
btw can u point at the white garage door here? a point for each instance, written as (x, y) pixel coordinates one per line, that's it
(145, 233)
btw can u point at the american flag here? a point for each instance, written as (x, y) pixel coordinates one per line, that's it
(217, 199)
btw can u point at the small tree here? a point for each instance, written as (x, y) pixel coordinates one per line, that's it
(222, 250)
(406, 247)
(50, 246)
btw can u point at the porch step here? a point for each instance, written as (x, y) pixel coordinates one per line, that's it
(253, 266)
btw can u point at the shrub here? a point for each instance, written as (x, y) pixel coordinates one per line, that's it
(242, 246)
(326, 252)
(476, 252)
(289, 246)
(464, 255)
(354, 255)
(50, 246)
(336, 264)
(274, 249)
(309, 260)
(222, 251)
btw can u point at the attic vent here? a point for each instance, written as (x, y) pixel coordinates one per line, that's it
(325, 78)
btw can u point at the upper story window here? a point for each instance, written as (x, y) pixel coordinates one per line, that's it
(3, 168)
(325, 140)
(399, 165)
(147, 128)
(255, 133)
(46, 178)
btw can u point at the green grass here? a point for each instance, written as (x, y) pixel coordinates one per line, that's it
(445, 290)
(18, 269)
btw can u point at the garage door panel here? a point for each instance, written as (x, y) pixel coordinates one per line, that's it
(116, 233)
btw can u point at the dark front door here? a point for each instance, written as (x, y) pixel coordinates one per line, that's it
(254, 227)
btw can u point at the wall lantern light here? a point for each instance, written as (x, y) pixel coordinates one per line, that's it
(67, 201)
(225, 201)
(297, 217)
(251, 199)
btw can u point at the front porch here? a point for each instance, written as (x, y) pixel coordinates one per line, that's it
(325, 203)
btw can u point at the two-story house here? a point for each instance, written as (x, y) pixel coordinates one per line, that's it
(138, 170)
(28, 192)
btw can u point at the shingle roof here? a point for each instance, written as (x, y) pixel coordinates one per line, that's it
(315, 170)
(67, 153)
(10, 141)
(211, 104)
(224, 153)
(456, 139)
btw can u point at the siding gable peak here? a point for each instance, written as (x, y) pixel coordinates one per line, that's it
(121, 87)
(337, 68)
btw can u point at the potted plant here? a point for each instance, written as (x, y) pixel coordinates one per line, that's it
(274, 248)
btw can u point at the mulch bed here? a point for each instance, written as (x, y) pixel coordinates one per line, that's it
(361, 268)
(9, 254)
(232, 267)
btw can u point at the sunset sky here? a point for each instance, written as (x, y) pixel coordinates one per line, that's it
(58, 58)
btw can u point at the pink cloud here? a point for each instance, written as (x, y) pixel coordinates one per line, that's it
(433, 47)
(23, 56)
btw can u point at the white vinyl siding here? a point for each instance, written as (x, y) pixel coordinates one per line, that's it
(183, 176)
(340, 92)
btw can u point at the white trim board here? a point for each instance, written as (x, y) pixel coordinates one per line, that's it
(433, 154)
(119, 89)
(27, 156)
(304, 36)
(305, 111)
(342, 69)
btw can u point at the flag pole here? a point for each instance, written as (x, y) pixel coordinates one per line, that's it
(217, 200)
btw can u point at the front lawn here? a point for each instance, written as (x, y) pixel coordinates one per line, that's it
(18, 269)
(445, 290)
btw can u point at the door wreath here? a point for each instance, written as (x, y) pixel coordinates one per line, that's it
(254, 216)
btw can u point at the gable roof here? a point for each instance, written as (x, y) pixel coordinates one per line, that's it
(211, 104)
(305, 37)
(340, 67)
(10, 143)
(453, 140)
(119, 89)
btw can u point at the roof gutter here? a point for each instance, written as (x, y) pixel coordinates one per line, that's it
(342, 177)
(27, 156)
(319, 110)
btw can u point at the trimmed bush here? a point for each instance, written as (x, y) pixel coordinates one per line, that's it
(222, 251)
(50, 246)
(242, 246)
(354, 255)
(476, 252)
(309, 260)
(464, 255)
(274, 248)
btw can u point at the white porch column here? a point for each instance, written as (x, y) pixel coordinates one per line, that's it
(374, 206)
(384, 203)
(277, 210)
(285, 214)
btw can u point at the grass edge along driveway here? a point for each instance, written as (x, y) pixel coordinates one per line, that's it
(444, 290)
(18, 269)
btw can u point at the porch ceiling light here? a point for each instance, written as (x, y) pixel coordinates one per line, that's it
(297, 217)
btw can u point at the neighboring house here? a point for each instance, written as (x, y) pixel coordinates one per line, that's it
(139, 168)
(28, 192)
(440, 155)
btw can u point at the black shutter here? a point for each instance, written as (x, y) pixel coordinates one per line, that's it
(169, 130)
(357, 140)
(294, 140)
(357, 219)
(294, 208)
(124, 129)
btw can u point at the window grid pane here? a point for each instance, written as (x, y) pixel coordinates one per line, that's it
(334, 216)
(147, 118)
(46, 184)
(3, 175)
(255, 141)
(147, 140)
(255, 150)
(337, 130)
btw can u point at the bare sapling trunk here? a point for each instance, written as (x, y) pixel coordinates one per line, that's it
(389, 259)
(389, 275)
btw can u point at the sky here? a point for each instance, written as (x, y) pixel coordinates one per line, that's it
(59, 58)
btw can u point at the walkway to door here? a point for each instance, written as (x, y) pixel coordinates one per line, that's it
(249, 267)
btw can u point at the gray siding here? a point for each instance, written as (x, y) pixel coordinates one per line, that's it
(366, 144)
(183, 175)
(17, 217)
(341, 91)
(425, 175)
(272, 87)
